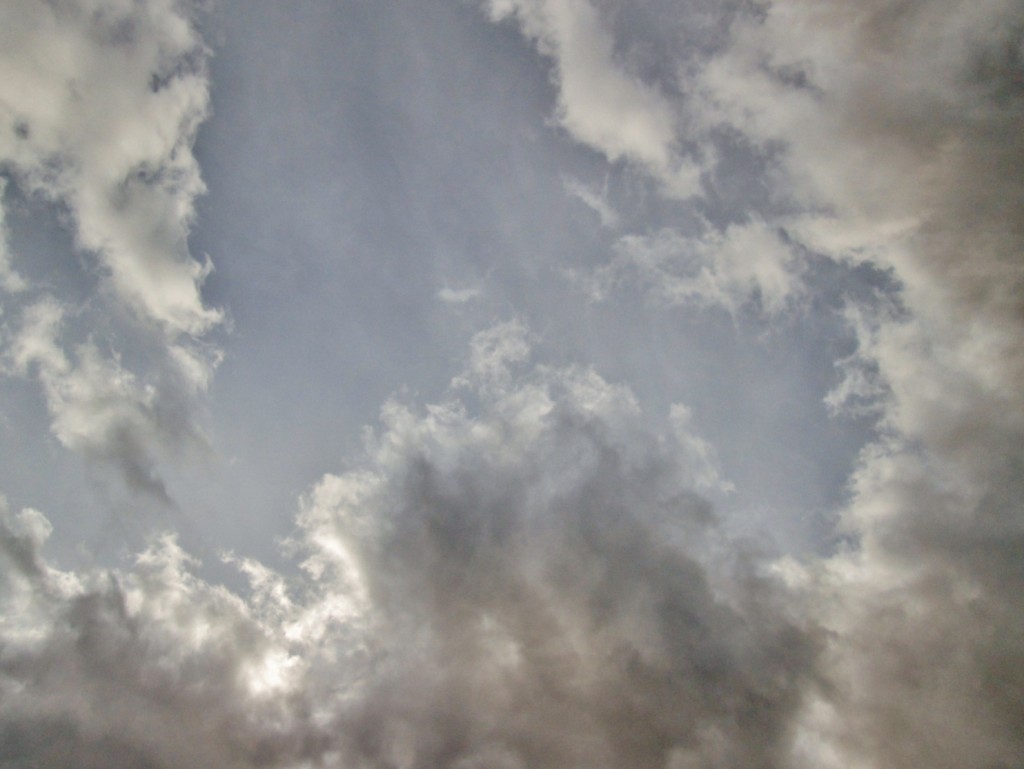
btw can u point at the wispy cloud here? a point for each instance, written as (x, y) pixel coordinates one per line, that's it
(600, 103)
(458, 295)
(596, 200)
(745, 264)
(101, 102)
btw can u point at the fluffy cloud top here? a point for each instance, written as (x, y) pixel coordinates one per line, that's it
(527, 582)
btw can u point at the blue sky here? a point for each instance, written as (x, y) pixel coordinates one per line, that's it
(385, 383)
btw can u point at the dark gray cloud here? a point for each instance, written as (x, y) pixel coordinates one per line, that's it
(531, 581)
(538, 582)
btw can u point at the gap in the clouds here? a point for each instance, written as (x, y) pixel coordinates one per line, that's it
(348, 190)
(43, 249)
(345, 191)
(758, 399)
(740, 182)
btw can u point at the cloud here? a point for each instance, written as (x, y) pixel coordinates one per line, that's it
(743, 264)
(518, 574)
(521, 573)
(600, 103)
(595, 200)
(458, 295)
(99, 104)
(895, 128)
(99, 408)
(149, 667)
(889, 132)
(10, 281)
(534, 576)
(605, 107)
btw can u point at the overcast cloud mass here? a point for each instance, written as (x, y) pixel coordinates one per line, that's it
(512, 384)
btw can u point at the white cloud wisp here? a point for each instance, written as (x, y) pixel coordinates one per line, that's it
(100, 102)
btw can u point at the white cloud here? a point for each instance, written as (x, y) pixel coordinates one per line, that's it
(100, 101)
(494, 352)
(518, 573)
(601, 104)
(727, 269)
(100, 409)
(10, 280)
(458, 295)
(596, 200)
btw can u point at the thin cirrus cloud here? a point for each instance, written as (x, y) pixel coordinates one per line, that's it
(528, 570)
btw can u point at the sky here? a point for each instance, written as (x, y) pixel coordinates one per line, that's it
(511, 384)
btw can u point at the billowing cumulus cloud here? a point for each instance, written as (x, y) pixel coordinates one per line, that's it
(600, 103)
(147, 668)
(530, 581)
